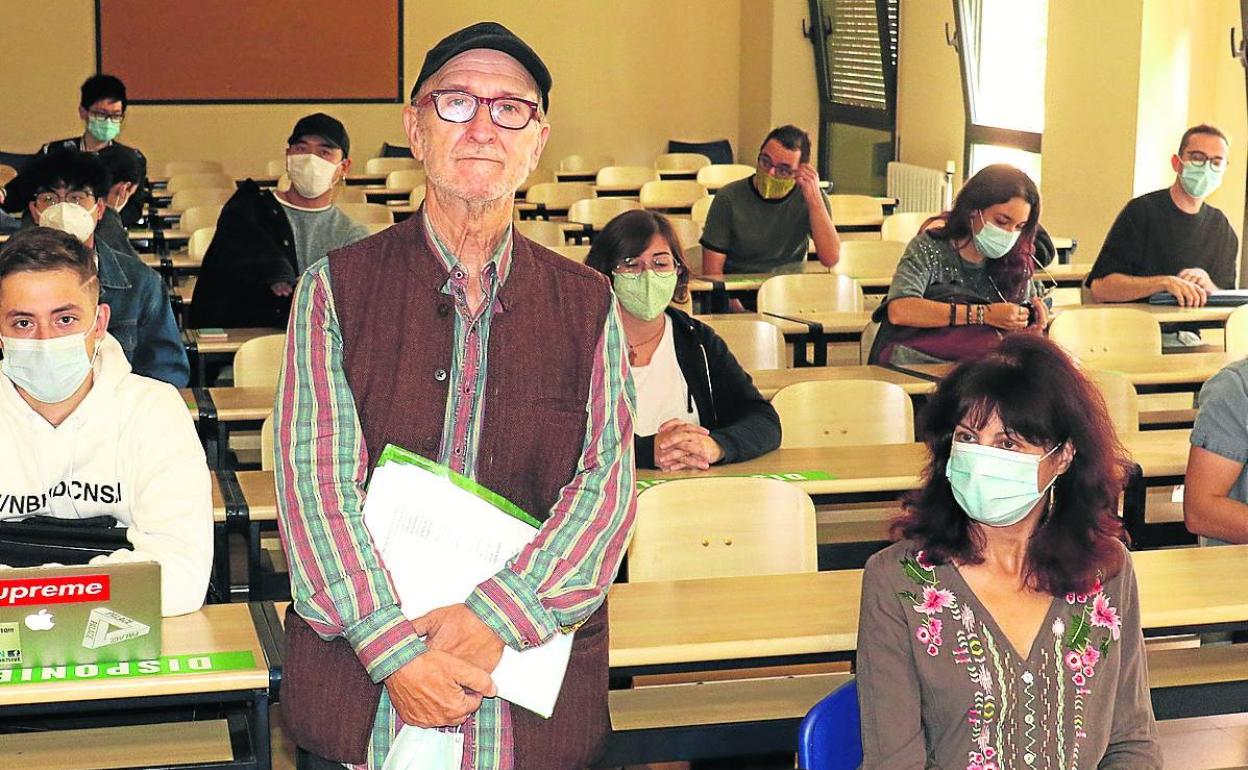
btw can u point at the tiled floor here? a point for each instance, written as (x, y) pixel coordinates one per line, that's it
(1208, 743)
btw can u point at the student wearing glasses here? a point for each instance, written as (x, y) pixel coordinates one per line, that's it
(1169, 240)
(762, 224)
(102, 109)
(696, 406)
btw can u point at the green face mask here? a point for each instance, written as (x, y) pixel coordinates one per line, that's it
(771, 188)
(646, 294)
(103, 129)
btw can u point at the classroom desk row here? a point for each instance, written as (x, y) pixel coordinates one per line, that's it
(816, 330)
(738, 622)
(245, 502)
(223, 661)
(217, 411)
(655, 627)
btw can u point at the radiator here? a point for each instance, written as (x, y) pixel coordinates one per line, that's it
(919, 189)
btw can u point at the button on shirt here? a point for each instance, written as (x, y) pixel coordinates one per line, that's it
(338, 582)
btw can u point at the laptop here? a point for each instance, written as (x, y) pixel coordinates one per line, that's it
(1220, 298)
(56, 616)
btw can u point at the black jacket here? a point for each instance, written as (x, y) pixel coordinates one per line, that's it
(253, 248)
(741, 421)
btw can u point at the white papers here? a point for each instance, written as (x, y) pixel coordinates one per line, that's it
(439, 540)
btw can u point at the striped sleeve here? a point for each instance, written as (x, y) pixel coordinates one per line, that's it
(557, 581)
(338, 582)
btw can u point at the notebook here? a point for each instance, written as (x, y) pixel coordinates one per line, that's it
(1220, 298)
(56, 616)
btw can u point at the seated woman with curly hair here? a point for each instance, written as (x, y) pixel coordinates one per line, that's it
(1003, 629)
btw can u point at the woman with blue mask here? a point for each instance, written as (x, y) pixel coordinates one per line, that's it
(696, 406)
(966, 279)
(1003, 629)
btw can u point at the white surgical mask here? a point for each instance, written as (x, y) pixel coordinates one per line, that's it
(311, 175)
(994, 486)
(50, 370)
(69, 218)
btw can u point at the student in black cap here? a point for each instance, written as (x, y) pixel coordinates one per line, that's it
(456, 337)
(265, 239)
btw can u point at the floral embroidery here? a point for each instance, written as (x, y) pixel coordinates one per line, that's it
(1080, 642)
(934, 600)
(1083, 652)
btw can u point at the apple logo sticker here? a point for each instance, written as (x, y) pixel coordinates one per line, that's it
(40, 621)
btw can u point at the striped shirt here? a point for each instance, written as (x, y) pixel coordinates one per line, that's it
(338, 581)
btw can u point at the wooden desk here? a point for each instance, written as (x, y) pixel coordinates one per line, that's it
(1169, 315)
(898, 468)
(724, 621)
(1185, 372)
(366, 179)
(244, 693)
(769, 381)
(1163, 373)
(245, 502)
(221, 349)
(1067, 276)
(815, 329)
(382, 194)
(218, 410)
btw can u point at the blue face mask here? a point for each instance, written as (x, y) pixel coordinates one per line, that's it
(1199, 181)
(994, 486)
(49, 370)
(992, 241)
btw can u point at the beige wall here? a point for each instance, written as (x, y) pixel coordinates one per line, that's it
(777, 73)
(930, 117)
(756, 77)
(1089, 150)
(627, 77)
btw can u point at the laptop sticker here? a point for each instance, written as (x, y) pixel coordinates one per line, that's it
(105, 627)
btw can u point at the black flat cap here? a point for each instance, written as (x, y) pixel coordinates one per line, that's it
(328, 128)
(496, 37)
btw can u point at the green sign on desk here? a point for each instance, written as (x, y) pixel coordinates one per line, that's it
(165, 665)
(644, 484)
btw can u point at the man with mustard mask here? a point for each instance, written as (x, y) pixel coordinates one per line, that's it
(761, 224)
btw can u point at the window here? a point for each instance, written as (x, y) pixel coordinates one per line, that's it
(856, 68)
(1002, 45)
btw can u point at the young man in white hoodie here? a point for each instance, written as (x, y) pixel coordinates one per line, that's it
(80, 434)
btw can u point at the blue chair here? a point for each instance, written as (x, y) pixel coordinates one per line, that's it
(830, 737)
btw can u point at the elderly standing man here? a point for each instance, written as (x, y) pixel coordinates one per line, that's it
(454, 336)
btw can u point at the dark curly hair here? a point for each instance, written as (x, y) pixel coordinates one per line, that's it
(1039, 394)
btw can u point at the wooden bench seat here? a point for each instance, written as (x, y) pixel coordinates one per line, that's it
(104, 748)
(704, 720)
(711, 719)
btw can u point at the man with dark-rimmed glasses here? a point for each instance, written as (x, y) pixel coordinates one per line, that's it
(102, 109)
(1170, 240)
(455, 337)
(761, 224)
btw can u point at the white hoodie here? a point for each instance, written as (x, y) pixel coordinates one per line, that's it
(128, 451)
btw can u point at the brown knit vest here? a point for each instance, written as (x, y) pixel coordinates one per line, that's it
(398, 331)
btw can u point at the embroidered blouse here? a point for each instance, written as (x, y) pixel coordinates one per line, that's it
(941, 686)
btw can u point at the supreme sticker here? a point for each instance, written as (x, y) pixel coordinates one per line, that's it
(54, 590)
